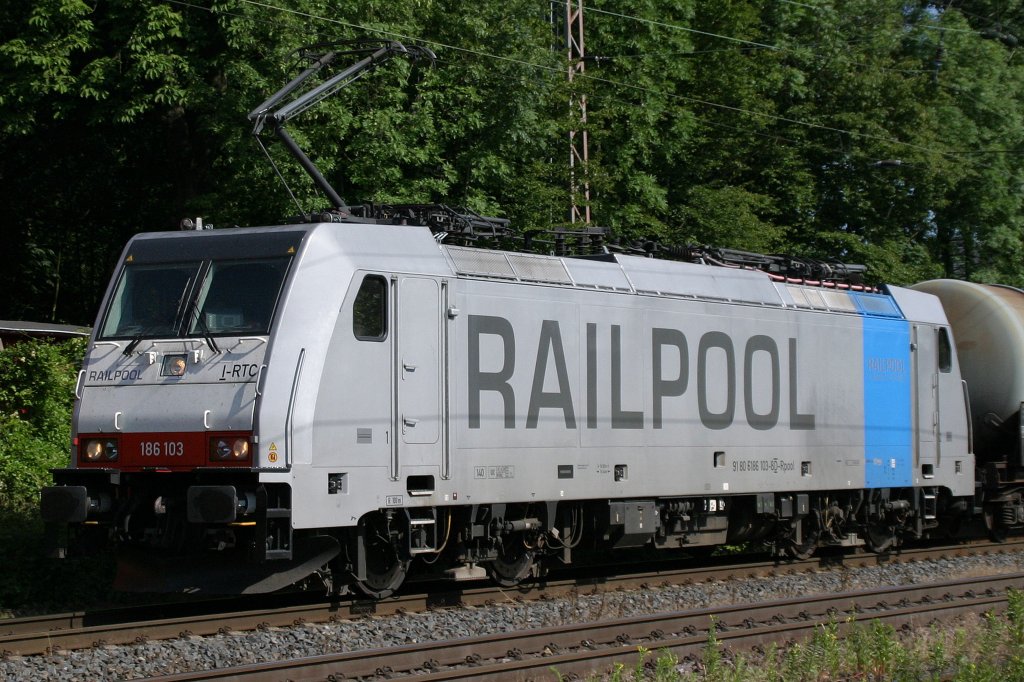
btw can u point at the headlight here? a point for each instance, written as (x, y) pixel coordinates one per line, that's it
(229, 449)
(100, 450)
(173, 366)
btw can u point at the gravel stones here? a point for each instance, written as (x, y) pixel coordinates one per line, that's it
(311, 639)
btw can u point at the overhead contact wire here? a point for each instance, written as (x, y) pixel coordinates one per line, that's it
(605, 81)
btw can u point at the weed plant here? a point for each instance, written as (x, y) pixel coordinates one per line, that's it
(988, 648)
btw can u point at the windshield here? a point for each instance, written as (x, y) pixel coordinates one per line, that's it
(195, 299)
(238, 298)
(148, 300)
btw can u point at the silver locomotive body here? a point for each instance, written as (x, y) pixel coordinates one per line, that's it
(358, 400)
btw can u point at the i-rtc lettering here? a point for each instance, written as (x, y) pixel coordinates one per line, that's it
(238, 371)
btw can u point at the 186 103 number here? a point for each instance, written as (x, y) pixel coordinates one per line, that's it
(155, 448)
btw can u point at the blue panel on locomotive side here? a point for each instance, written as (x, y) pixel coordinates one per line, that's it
(888, 423)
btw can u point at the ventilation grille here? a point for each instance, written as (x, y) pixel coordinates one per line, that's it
(841, 301)
(539, 268)
(480, 262)
(524, 267)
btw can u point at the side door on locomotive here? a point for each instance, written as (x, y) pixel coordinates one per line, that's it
(938, 398)
(381, 393)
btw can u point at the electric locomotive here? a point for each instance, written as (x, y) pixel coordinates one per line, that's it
(365, 392)
(347, 399)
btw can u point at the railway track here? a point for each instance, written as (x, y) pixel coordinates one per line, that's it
(42, 634)
(581, 649)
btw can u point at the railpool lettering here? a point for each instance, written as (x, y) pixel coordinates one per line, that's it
(662, 387)
(550, 339)
(767, 346)
(621, 419)
(735, 364)
(479, 380)
(723, 419)
(115, 375)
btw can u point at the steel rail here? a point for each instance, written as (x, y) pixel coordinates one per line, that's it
(67, 631)
(584, 648)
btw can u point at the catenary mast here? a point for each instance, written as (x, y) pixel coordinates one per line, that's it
(578, 152)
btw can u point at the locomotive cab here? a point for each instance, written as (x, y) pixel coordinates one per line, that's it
(165, 433)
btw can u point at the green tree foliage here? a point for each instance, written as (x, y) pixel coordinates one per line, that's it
(37, 383)
(751, 125)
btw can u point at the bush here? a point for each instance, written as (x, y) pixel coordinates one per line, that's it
(37, 383)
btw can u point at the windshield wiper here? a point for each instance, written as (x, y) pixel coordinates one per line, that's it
(136, 340)
(203, 328)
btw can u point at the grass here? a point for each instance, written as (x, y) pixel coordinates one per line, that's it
(989, 648)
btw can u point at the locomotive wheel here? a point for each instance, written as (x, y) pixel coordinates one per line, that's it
(996, 531)
(805, 548)
(513, 566)
(385, 569)
(879, 538)
(383, 577)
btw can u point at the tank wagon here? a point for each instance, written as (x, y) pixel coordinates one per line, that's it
(988, 325)
(348, 399)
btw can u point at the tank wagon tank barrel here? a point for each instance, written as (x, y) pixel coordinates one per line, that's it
(988, 325)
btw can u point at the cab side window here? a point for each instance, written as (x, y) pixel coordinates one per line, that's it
(945, 351)
(370, 309)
